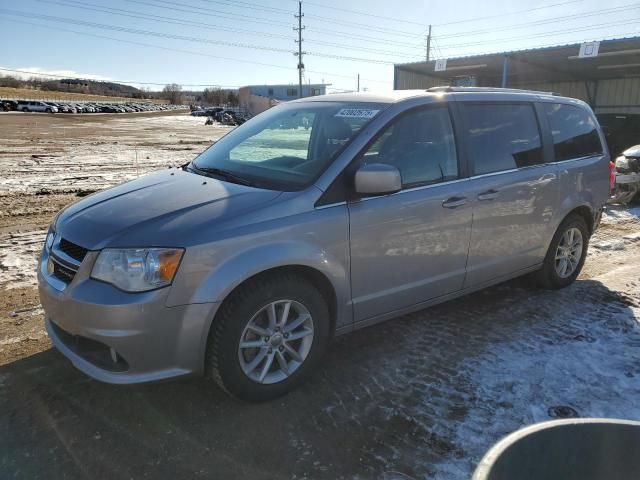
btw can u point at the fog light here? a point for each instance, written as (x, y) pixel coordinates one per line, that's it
(50, 266)
(114, 355)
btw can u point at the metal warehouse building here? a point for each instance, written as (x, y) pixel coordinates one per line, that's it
(605, 74)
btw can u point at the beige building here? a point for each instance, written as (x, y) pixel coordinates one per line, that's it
(605, 74)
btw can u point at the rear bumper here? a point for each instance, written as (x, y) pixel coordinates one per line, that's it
(119, 337)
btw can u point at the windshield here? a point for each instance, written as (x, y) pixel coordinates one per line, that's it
(287, 147)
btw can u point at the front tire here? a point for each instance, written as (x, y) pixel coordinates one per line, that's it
(268, 337)
(566, 255)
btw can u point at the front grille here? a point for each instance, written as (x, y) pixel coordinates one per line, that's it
(63, 273)
(74, 251)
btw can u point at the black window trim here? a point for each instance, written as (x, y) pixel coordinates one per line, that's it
(347, 193)
(542, 131)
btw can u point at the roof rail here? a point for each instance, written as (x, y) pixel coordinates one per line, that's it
(447, 88)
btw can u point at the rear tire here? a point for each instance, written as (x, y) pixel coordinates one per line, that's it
(229, 360)
(566, 255)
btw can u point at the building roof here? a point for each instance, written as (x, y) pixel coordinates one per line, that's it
(616, 58)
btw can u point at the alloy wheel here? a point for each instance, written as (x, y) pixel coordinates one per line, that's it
(569, 252)
(276, 341)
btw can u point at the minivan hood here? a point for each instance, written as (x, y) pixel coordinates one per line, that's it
(168, 208)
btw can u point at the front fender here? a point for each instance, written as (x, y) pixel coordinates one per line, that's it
(318, 240)
(216, 286)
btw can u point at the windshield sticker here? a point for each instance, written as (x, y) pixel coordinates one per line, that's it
(356, 113)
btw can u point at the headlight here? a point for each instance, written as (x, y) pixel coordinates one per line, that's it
(50, 238)
(622, 163)
(139, 269)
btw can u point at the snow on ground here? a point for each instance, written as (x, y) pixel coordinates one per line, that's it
(19, 258)
(423, 396)
(589, 362)
(98, 156)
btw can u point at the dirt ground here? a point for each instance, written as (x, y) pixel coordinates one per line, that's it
(422, 396)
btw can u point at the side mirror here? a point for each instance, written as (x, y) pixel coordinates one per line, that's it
(377, 179)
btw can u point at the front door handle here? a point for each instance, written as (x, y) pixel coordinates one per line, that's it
(488, 195)
(454, 202)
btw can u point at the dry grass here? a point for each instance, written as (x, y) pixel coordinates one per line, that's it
(30, 94)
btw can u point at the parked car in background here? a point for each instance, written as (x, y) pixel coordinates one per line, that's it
(36, 106)
(8, 105)
(626, 181)
(383, 205)
(86, 107)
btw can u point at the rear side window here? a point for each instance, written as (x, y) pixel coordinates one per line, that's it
(574, 131)
(502, 137)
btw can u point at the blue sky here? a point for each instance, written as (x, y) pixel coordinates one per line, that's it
(234, 43)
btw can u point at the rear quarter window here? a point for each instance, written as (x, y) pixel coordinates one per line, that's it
(502, 137)
(574, 131)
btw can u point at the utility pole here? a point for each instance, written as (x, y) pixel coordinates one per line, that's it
(299, 42)
(429, 44)
(358, 82)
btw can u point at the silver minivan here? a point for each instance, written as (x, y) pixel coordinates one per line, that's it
(316, 218)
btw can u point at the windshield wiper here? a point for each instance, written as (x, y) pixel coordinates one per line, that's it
(219, 172)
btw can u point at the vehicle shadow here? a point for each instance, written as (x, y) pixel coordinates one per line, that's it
(423, 394)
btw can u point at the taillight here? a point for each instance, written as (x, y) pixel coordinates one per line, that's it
(612, 174)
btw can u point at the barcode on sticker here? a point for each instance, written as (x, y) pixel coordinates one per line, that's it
(356, 113)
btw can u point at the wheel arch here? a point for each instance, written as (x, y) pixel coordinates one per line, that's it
(584, 211)
(317, 278)
(313, 275)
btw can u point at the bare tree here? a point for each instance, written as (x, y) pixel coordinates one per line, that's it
(173, 93)
(232, 98)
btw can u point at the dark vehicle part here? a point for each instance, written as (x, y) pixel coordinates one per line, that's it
(568, 449)
(620, 130)
(627, 176)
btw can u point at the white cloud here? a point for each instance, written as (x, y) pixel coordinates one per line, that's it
(27, 72)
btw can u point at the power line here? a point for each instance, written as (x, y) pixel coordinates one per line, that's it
(251, 6)
(544, 34)
(498, 15)
(139, 31)
(264, 21)
(366, 14)
(260, 20)
(189, 52)
(158, 18)
(545, 21)
(136, 31)
(260, 7)
(211, 12)
(207, 26)
(364, 26)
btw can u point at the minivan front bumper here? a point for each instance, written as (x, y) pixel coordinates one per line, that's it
(119, 337)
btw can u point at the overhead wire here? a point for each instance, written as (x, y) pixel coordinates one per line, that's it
(543, 34)
(191, 52)
(142, 32)
(208, 26)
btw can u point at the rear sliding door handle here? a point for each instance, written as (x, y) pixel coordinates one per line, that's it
(488, 195)
(454, 202)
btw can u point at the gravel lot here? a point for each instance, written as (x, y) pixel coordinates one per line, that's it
(422, 396)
